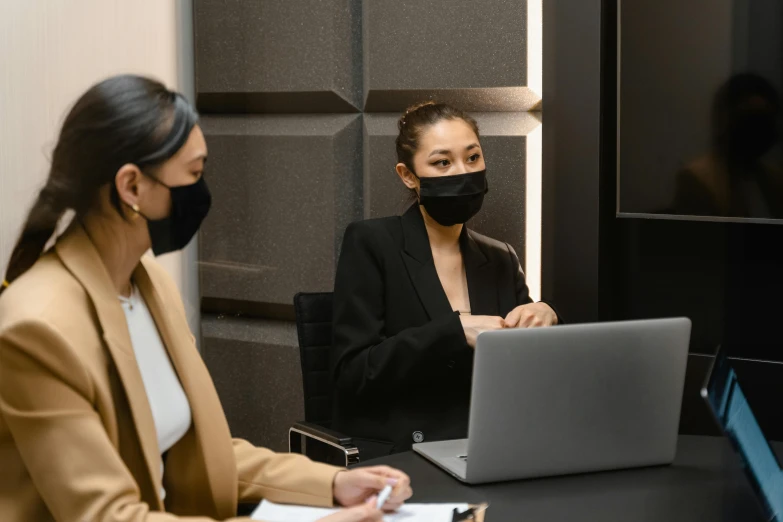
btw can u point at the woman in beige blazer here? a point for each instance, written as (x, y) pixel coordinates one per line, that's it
(82, 436)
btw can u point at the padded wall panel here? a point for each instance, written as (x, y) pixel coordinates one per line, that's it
(284, 189)
(272, 56)
(255, 367)
(473, 55)
(289, 172)
(503, 140)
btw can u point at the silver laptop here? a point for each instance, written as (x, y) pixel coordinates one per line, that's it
(570, 399)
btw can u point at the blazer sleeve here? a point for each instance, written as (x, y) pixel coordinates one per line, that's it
(520, 285)
(46, 400)
(364, 358)
(523, 292)
(264, 474)
(282, 478)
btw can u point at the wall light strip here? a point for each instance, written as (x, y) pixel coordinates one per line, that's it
(534, 151)
(533, 212)
(535, 46)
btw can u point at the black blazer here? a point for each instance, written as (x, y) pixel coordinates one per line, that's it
(401, 365)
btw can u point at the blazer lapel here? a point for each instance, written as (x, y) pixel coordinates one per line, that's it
(209, 438)
(481, 275)
(80, 257)
(420, 265)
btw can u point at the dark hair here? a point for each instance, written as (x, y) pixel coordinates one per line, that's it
(124, 119)
(417, 119)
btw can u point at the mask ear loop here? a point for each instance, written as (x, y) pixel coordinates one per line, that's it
(418, 192)
(153, 178)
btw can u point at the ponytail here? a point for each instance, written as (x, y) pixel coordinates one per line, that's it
(39, 227)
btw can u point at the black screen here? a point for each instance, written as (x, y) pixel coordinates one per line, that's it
(699, 108)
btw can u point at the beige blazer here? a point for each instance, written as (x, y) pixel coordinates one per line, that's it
(77, 437)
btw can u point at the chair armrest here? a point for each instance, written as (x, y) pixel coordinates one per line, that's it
(325, 434)
(308, 430)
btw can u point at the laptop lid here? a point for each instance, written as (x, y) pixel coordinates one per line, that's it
(576, 398)
(728, 403)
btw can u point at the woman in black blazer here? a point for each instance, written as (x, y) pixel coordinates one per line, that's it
(413, 292)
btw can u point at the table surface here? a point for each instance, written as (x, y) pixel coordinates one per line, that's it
(705, 483)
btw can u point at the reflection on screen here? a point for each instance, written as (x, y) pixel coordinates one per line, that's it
(699, 104)
(741, 426)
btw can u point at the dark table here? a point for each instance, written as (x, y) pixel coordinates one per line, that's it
(705, 483)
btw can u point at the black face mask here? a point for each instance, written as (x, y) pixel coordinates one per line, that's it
(189, 206)
(453, 200)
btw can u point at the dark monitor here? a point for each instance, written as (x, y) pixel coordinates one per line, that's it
(699, 109)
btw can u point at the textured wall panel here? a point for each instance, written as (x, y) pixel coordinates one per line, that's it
(255, 367)
(285, 186)
(472, 55)
(284, 189)
(503, 140)
(272, 56)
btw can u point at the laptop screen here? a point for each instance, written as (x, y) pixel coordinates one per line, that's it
(731, 408)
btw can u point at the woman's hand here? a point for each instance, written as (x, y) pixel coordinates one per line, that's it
(531, 315)
(475, 324)
(366, 512)
(354, 487)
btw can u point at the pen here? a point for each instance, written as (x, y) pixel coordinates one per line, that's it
(383, 496)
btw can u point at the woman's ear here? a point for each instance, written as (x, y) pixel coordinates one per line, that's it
(127, 182)
(408, 178)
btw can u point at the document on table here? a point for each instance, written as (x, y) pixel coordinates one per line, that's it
(270, 512)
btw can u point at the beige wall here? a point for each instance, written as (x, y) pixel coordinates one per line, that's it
(53, 50)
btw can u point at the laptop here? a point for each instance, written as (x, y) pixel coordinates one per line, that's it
(728, 404)
(570, 399)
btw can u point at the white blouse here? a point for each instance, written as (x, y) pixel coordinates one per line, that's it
(169, 404)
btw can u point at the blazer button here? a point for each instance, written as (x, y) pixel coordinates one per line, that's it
(451, 363)
(418, 437)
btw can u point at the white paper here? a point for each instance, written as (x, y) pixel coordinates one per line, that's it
(270, 512)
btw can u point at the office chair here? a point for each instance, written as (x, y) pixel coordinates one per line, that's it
(314, 329)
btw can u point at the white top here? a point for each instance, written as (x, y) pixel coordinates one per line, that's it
(169, 404)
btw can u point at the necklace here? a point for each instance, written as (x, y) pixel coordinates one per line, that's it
(128, 301)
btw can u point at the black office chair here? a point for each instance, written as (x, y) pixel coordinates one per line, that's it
(313, 437)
